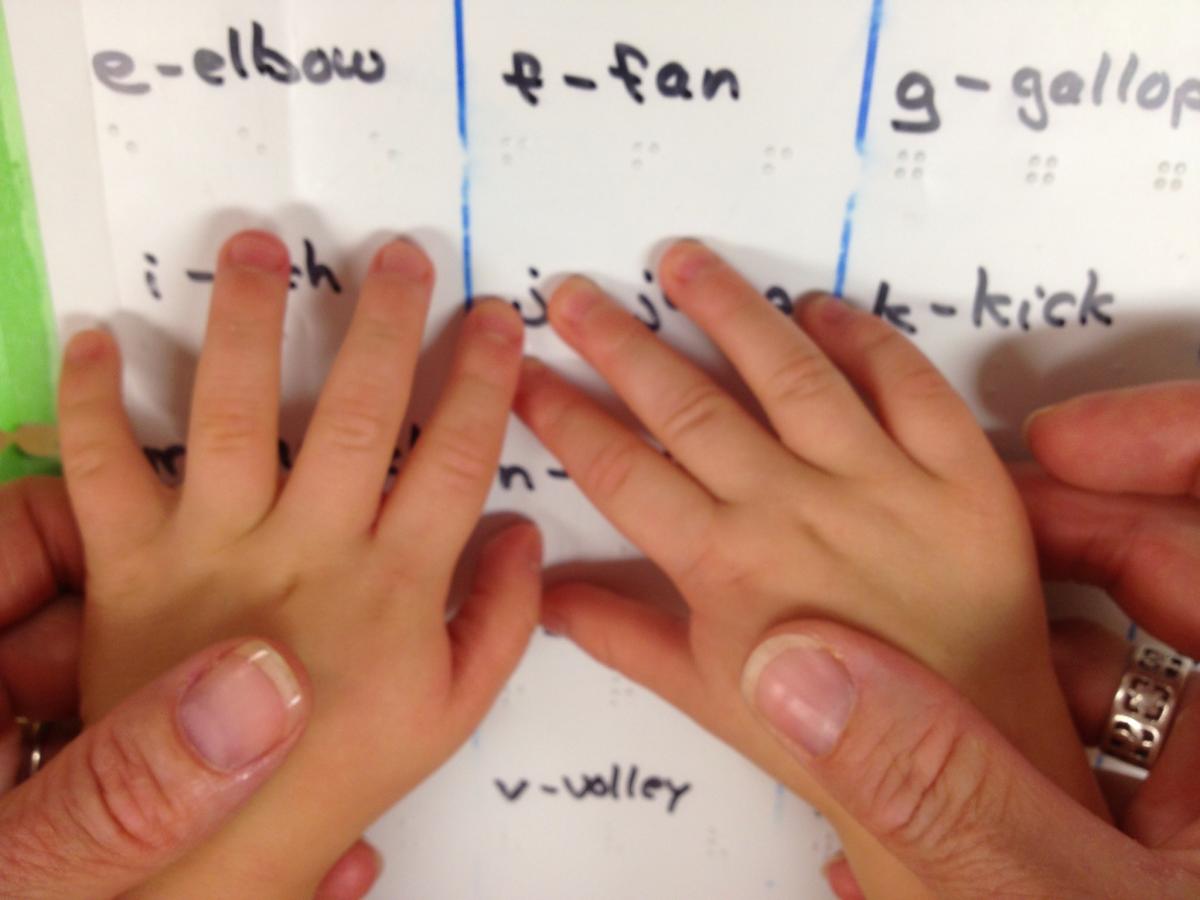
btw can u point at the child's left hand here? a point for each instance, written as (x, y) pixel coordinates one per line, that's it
(354, 586)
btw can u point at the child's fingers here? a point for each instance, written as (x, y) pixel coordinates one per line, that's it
(644, 644)
(117, 499)
(233, 434)
(698, 422)
(441, 490)
(336, 486)
(651, 501)
(1141, 440)
(492, 628)
(913, 401)
(811, 406)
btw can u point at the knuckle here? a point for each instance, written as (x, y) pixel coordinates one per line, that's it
(921, 381)
(121, 804)
(694, 412)
(357, 421)
(610, 469)
(228, 425)
(462, 459)
(801, 377)
(84, 459)
(930, 791)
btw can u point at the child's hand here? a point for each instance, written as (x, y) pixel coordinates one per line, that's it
(354, 584)
(874, 499)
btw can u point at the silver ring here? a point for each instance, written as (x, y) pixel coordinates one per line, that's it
(32, 734)
(1145, 705)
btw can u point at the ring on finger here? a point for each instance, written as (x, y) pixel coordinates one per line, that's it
(1145, 705)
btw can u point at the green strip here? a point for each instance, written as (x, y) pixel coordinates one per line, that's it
(28, 347)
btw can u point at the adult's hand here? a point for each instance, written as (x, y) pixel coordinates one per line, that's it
(1115, 502)
(162, 770)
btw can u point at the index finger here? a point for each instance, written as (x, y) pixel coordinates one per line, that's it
(41, 553)
(1143, 440)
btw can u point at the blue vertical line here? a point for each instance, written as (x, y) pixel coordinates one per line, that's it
(839, 283)
(860, 137)
(868, 79)
(465, 143)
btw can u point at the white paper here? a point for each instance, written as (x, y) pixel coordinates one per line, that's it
(803, 180)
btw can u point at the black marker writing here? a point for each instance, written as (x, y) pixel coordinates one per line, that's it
(616, 784)
(242, 60)
(630, 67)
(1039, 93)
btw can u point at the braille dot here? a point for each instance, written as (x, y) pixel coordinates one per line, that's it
(507, 159)
(918, 173)
(1051, 162)
(522, 143)
(131, 146)
(505, 141)
(1180, 168)
(902, 156)
(373, 136)
(261, 148)
(243, 132)
(637, 146)
(1035, 160)
(393, 154)
(1048, 178)
(900, 173)
(919, 157)
(114, 130)
(786, 152)
(1031, 178)
(770, 151)
(1164, 167)
(653, 146)
(637, 163)
(1160, 183)
(768, 169)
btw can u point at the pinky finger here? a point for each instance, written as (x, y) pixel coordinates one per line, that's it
(841, 879)
(352, 875)
(116, 497)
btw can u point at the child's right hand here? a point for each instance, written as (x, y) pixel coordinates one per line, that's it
(356, 588)
(875, 500)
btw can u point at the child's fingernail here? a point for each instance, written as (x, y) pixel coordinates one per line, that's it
(801, 690)
(404, 258)
(577, 298)
(533, 550)
(258, 250)
(553, 624)
(241, 708)
(827, 308)
(1028, 423)
(500, 324)
(86, 347)
(688, 258)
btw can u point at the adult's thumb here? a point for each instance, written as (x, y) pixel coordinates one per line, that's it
(927, 774)
(153, 778)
